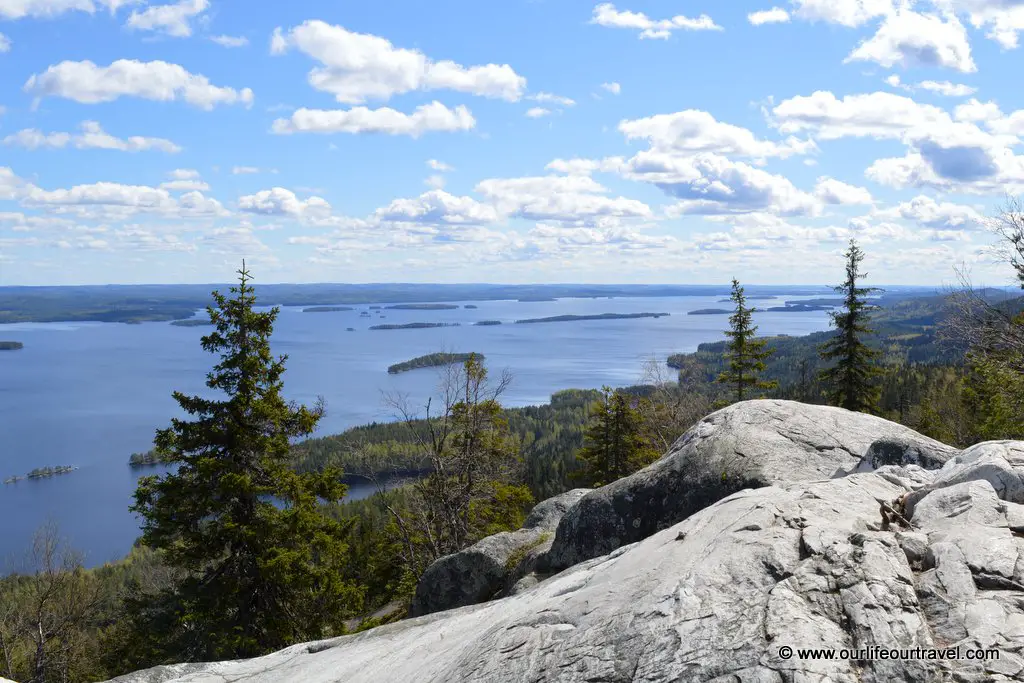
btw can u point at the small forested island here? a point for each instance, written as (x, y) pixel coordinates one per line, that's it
(147, 459)
(534, 299)
(600, 316)
(44, 472)
(374, 308)
(11, 346)
(797, 308)
(432, 360)
(327, 309)
(751, 297)
(709, 311)
(412, 326)
(192, 322)
(13, 480)
(470, 306)
(350, 329)
(422, 307)
(488, 322)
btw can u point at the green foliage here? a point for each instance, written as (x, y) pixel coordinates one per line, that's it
(260, 565)
(849, 381)
(431, 360)
(615, 443)
(745, 355)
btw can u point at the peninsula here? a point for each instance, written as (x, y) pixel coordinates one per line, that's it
(11, 346)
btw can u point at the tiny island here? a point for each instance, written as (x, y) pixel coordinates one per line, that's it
(709, 311)
(42, 473)
(412, 326)
(327, 309)
(432, 360)
(11, 346)
(192, 322)
(148, 459)
(470, 306)
(601, 316)
(488, 322)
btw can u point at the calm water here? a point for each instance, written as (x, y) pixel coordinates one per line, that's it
(90, 394)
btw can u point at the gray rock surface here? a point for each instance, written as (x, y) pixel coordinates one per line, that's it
(747, 445)
(902, 450)
(492, 567)
(720, 596)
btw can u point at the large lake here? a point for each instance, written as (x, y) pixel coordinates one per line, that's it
(90, 394)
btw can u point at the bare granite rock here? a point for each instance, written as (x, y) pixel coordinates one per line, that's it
(492, 567)
(747, 445)
(900, 557)
(720, 597)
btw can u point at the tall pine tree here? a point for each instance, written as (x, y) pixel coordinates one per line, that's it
(849, 381)
(259, 564)
(614, 442)
(744, 354)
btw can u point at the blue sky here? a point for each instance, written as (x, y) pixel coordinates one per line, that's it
(522, 141)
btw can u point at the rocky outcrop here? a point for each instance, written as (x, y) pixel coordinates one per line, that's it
(733, 593)
(493, 566)
(747, 445)
(897, 558)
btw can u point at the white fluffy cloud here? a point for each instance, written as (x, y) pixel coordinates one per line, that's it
(832, 191)
(711, 184)
(48, 9)
(357, 67)
(537, 112)
(172, 20)
(612, 87)
(92, 136)
(279, 201)
(184, 180)
(570, 199)
(698, 131)
(87, 83)
(439, 165)
(943, 153)
(1004, 19)
(850, 13)
(426, 118)
(929, 213)
(606, 15)
(437, 207)
(908, 38)
(5, 43)
(775, 15)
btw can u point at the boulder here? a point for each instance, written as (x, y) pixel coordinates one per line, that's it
(747, 445)
(493, 566)
(731, 594)
(902, 450)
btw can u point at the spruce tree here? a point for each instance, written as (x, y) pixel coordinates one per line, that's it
(745, 355)
(259, 564)
(849, 382)
(614, 442)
